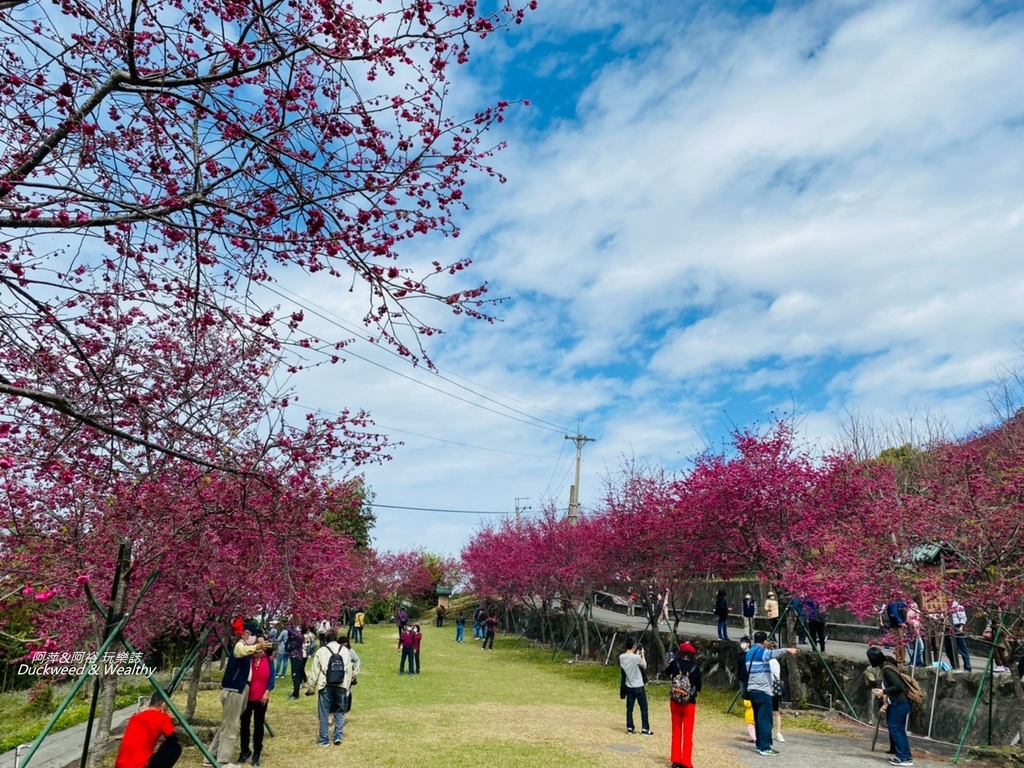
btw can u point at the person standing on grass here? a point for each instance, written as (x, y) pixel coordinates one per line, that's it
(297, 656)
(478, 623)
(357, 665)
(490, 625)
(261, 683)
(143, 732)
(234, 690)
(460, 628)
(759, 689)
(331, 693)
(357, 633)
(406, 643)
(282, 653)
(417, 638)
(633, 664)
(684, 713)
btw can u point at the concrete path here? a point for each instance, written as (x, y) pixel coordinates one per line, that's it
(689, 629)
(63, 748)
(803, 748)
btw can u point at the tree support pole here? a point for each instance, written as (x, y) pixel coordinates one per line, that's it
(117, 629)
(977, 696)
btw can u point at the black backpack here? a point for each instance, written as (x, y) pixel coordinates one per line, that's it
(335, 669)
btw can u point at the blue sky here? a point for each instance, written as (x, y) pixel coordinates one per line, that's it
(713, 213)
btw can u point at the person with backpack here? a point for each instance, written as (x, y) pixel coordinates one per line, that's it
(684, 674)
(331, 679)
(894, 692)
(722, 612)
(478, 623)
(633, 664)
(759, 689)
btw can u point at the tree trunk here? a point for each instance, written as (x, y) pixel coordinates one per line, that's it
(654, 616)
(108, 682)
(193, 686)
(585, 628)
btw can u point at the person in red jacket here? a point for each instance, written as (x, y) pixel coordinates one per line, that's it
(417, 637)
(406, 644)
(141, 735)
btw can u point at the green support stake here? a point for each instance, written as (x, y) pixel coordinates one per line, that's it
(189, 660)
(116, 631)
(181, 718)
(977, 696)
(825, 664)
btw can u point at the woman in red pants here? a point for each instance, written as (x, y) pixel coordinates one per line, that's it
(683, 712)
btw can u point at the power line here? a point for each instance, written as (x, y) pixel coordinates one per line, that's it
(432, 509)
(341, 323)
(385, 427)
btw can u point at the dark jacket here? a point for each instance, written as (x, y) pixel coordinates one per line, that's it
(721, 607)
(892, 683)
(236, 673)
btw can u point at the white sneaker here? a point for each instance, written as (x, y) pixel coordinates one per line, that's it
(1000, 669)
(779, 738)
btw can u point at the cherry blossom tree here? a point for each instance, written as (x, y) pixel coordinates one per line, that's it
(171, 160)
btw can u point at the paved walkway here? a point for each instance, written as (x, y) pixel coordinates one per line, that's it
(64, 747)
(689, 629)
(804, 748)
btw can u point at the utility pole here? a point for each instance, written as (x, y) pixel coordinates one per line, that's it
(574, 492)
(519, 508)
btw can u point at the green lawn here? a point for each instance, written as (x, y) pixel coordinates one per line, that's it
(480, 709)
(21, 723)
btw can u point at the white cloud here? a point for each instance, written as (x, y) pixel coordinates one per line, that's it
(722, 221)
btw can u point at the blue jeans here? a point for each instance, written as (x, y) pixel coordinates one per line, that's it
(282, 664)
(723, 629)
(915, 649)
(961, 647)
(330, 701)
(357, 635)
(634, 695)
(460, 632)
(896, 722)
(762, 704)
(478, 629)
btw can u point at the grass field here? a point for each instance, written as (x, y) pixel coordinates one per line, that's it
(479, 709)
